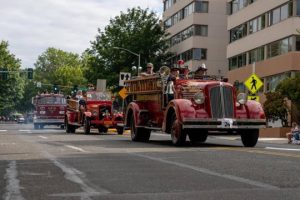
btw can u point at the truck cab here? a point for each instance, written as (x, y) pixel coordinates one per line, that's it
(49, 110)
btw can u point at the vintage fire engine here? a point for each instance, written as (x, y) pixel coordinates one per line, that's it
(49, 110)
(201, 107)
(95, 110)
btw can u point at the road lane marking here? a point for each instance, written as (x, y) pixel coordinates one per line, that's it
(282, 149)
(13, 184)
(260, 152)
(74, 176)
(3, 130)
(76, 148)
(212, 173)
(24, 130)
(43, 137)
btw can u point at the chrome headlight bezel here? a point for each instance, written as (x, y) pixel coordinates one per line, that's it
(199, 98)
(242, 98)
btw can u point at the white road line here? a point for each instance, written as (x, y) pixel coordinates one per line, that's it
(43, 137)
(3, 130)
(76, 148)
(24, 130)
(74, 176)
(212, 173)
(12, 187)
(281, 149)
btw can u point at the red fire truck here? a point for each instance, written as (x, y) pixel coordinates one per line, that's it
(49, 110)
(201, 107)
(95, 110)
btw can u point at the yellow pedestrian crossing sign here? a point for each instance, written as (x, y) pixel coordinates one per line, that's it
(253, 97)
(253, 83)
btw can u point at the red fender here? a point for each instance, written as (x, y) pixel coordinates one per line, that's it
(255, 110)
(135, 108)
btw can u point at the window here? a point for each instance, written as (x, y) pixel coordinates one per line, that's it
(237, 61)
(281, 13)
(279, 47)
(297, 43)
(201, 30)
(238, 32)
(273, 81)
(237, 5)
(256, 55)
(298, 7)
(199, 54)
(201, 7)
(257, 24)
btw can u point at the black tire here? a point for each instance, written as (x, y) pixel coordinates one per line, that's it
(68, 127)
(178, 134)
(249, 137)
(120, 130)
(197, 136)
(36, 126)
(102, 129)
(87, 125)
(139, 134)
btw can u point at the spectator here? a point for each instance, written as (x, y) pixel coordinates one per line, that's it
(294, 135)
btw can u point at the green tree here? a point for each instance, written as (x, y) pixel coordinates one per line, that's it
(139, 31)
(275, 107)
(11, 90)
(290, 89)
(59, 67)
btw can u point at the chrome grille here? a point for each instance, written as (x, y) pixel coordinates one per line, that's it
(221, 102)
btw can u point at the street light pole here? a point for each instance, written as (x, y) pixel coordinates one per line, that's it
(136, 54)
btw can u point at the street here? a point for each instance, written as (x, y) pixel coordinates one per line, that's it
(50, 164)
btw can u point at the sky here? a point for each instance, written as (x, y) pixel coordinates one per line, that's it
(32, 26)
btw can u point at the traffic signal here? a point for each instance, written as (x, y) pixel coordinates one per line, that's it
(4, 74)
(55, 89)
(30, 73)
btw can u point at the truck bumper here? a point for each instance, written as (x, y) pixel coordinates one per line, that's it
(223, 124)
(49, 121)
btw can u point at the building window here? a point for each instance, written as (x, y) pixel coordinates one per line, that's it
(257, 24)
(297, 43)
(168, 4)
(298, 7)
(199, 54)
(237, 5)
(279, 47)
(197, 6)
(283, 12)
(256, 55)
(238, 32)
(237, 61)
(273, 81)
(195, 30)
(201, 7)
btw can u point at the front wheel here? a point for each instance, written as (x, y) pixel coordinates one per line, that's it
(87, 126)
(178, 134)
(120, 130)
(139, 134)
(249, 137)
(102, 129)
(196, 136)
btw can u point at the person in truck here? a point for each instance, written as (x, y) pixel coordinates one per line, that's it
(200, 72)
(149, 71)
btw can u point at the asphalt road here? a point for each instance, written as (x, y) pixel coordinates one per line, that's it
(50, 164)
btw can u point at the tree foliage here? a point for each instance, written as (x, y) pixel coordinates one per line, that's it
(11, 90)
(59, 67)
(290, 89)
(138, 31)
(276, 108)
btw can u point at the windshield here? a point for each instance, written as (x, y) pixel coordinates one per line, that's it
(98, 96)
(52, 100)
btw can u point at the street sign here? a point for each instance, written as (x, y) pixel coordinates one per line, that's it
(253, 97)
(253, 83)
(123, 93)
(38, 84)
(124, 76)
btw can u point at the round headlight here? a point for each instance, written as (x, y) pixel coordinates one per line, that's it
(242, 98)
(199, 98)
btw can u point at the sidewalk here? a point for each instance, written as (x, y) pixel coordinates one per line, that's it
(261, 139)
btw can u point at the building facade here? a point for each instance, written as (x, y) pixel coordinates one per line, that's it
(264, 38)
(198, 33)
